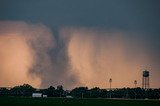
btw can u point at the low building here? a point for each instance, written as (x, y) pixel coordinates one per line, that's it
(69, 96)
(37, 95)
(44, 96)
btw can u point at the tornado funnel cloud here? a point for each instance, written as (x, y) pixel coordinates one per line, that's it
(33, 54)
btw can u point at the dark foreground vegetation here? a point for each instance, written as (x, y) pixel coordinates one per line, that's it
(28, 101)
(82, 92)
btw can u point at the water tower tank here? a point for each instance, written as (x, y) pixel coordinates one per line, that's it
(145, 73)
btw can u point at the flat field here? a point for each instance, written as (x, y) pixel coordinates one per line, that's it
(26, 101)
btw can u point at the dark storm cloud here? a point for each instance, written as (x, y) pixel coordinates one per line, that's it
(119, 14)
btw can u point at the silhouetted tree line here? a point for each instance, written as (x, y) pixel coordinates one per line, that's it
(83, 92)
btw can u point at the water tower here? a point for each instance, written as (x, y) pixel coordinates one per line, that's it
(145, 79)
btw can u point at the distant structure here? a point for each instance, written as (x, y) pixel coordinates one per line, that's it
(37, 95)
(145, 79)
(135, 83)
(110, 81)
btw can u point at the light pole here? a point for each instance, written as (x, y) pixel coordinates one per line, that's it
(135, 83)
(110, 81)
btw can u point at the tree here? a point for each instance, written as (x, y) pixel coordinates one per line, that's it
(79, 92)
(22, 90)
(50, 92)
(94, 92)
(4, 91)
(60, 91)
